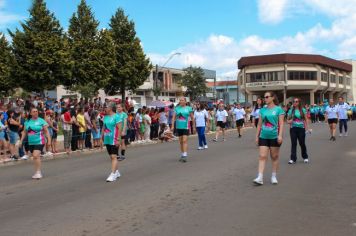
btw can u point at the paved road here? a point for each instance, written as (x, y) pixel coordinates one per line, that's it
(212, 194)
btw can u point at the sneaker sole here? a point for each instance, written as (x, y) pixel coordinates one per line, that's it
(257, 183)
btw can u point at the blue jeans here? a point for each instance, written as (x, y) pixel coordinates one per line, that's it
(343, 123)
(201, 136)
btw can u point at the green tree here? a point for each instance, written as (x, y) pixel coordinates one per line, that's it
(91, 51)
(41, 51)
(6, 62)
(193, 79)
(132, 67)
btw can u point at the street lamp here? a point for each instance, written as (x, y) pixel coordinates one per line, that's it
(156, 76)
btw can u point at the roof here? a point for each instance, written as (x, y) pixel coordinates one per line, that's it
(222, 83)
(294, 58)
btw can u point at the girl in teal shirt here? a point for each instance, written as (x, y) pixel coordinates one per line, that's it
(269, 136)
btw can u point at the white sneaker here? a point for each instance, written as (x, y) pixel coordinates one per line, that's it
(291, 162)
(37, 175)
(112, 177)
(306, 161)
(340, 135)
(206, 147)
(117, 173)
(274, 180)
(258, 181)
(48, 154)
(25, 157)
(200, 148)
(346, 134)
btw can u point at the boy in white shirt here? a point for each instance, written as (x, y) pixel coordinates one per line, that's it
(221, 116)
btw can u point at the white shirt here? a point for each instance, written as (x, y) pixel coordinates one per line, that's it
(342, 110)
(256, 113)
(200, 117)
(331, 112)
(221, 115)
(239, 113)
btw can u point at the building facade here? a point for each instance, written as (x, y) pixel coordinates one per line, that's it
(171, 90)
(228, 91)
(352, 92)
(310, 77)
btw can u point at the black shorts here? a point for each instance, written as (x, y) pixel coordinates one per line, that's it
(240, 123)
(182, 132)
(221, 124)
(36, 148)
(54, 135)
(112, 149)
(126, 138)
(332, 121)
(268, 142)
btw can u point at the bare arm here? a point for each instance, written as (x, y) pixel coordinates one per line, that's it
(281, 128)
(45, 128)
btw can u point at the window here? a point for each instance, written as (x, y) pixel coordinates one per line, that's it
(341, 79)
(302, 75)
(348, 81)
(324, 77)
(265, 76)
(333, 78)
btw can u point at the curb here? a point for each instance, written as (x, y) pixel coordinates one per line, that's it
(63, 155)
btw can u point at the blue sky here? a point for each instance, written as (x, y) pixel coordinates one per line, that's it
(215, 34)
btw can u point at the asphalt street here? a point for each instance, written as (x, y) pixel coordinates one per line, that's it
(211, 194)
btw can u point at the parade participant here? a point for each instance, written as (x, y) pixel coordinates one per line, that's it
(111, 137)
(342, 109)
(200, 118)
(240, 116)
(180, 121)
(221, 116)
(36, 130)
(256, 111)
(269, 136)
(331, 118)
(123, 116)
(298, 121)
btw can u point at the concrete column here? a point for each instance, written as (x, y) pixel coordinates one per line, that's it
(249, 98)
(285, 96)
(312, 99)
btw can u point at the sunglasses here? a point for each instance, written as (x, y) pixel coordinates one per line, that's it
(296, 101)
(266, 97)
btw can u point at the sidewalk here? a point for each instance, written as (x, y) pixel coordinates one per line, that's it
(62, 154)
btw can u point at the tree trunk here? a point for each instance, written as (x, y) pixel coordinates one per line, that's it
(122, 91)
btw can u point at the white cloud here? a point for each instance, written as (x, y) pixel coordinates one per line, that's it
(6, 17)
(272, 11)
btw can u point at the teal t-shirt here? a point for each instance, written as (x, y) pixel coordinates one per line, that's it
(297, 121)
(35, 131)
(182, 115)
(270, 117)
(123, 116)
(111, 130)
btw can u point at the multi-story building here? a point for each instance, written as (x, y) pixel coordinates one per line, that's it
(227, 91)
(310, 77)
(352, 93)
(171, 90)
(167, 80)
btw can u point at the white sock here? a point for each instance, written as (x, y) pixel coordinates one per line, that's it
(185, 154)
(274, 174)
(260, 176)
